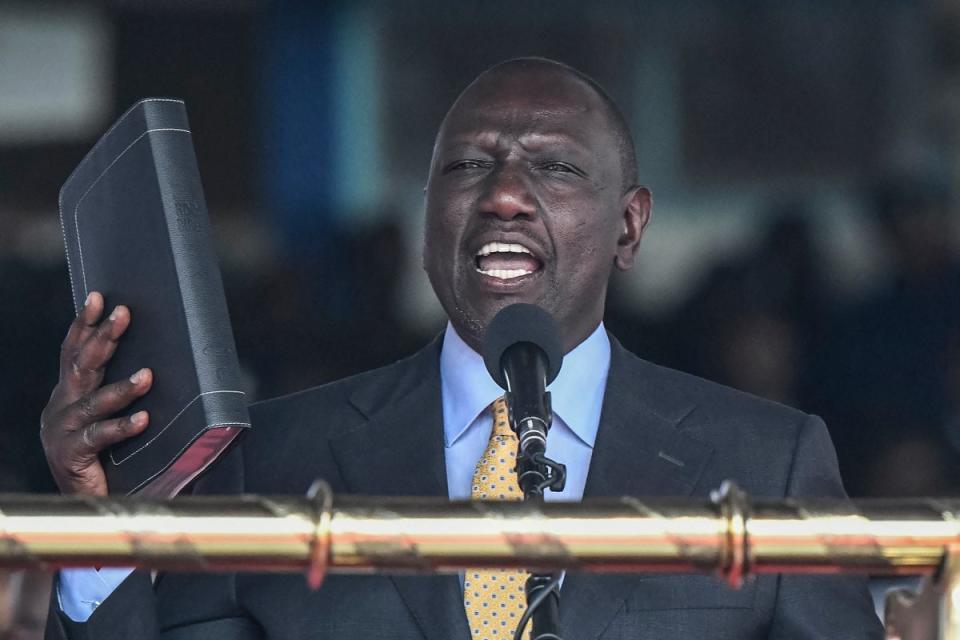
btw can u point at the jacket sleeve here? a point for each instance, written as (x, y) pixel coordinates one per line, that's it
(175, 606)
(821, 606)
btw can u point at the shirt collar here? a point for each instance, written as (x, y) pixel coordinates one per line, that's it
(576, 394)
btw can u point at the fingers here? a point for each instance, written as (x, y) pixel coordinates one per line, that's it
(76, 425)
(73, 437)
(89, 345)
(107, 400)
(97, 349)
(74, 456)
(83, 325)
(94, 438)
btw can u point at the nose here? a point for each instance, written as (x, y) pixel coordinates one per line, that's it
(507, 195)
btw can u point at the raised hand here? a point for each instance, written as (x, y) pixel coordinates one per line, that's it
(76, 424)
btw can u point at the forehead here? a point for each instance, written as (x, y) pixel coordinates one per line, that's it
(540, 107)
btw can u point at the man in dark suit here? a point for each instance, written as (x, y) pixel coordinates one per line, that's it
(532, 197)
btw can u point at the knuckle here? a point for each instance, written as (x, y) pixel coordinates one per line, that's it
(79, 371)
(89, 436)
(122, 390)
(77, 472)
(87, 406)
(51, 424)
(102, 332)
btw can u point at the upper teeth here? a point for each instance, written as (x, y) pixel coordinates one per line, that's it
(502, 247)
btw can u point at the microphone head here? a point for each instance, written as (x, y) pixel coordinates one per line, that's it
(518, 323)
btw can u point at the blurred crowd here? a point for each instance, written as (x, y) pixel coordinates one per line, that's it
(882, 369)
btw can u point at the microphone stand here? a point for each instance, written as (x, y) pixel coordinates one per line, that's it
(535, 473)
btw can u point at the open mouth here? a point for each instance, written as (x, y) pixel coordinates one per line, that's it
(506, 261)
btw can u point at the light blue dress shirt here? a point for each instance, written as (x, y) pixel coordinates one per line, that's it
(467, 392)
(576, 396)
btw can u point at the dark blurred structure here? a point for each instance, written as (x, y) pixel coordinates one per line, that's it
(292, 335)
(751, 321)
(886, 372)
(39, 298)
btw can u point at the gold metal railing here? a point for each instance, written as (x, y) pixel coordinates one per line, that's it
(728, 535)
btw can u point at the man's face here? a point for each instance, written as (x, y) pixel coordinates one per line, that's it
(526, 203)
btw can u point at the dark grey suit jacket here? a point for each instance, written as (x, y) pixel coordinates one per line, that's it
(662, 433)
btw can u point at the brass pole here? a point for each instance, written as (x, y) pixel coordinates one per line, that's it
(729, 535)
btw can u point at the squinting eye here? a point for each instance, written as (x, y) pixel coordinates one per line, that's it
(465, 164)
(559, 167)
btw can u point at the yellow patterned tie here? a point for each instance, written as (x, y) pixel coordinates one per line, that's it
(494, 598)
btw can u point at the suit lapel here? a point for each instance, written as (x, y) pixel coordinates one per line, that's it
(399, 452)
(639, 451)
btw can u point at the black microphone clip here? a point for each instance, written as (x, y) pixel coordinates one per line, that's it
(531, 424)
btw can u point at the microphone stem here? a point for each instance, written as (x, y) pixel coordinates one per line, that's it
(536, 472)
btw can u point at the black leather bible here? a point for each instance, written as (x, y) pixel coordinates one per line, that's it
(135, 227)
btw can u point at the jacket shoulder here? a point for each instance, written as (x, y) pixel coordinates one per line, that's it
(333, 407)
(754, 440)
(668, 391)
(288, 445)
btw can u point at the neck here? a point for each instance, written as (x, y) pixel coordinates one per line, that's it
(569, 344)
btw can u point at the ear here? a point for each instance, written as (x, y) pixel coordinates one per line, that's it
(637, 206)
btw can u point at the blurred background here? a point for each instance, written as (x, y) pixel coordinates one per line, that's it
(804, 157)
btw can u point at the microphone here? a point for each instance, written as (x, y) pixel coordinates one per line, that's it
(523, 353)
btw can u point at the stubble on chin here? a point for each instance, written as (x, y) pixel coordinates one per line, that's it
(469, 327)
(471, 319)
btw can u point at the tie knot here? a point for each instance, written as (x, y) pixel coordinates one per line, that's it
(501, 418)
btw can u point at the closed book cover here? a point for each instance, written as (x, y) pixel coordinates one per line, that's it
(136, 229)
